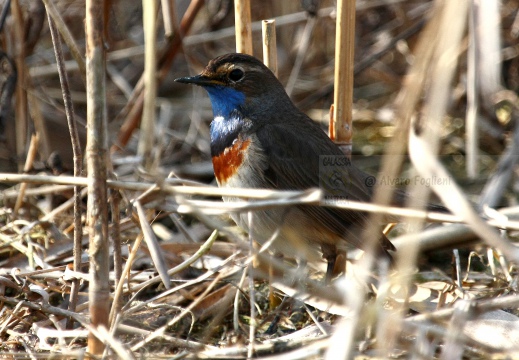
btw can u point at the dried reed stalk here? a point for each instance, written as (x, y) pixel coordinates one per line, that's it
(96, 157)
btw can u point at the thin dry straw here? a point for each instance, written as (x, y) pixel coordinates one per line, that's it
(21, 113)
(279, 198)
(31, 155)
(147, 129)
(76, 53)
(77, 153)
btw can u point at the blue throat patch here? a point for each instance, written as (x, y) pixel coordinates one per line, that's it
(224, 100)
(227, 122)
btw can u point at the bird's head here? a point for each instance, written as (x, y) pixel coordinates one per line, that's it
(239, 82)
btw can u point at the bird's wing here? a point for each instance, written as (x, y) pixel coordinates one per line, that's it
(296, 161)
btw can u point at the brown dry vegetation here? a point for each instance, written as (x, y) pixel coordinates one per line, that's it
(453, 291)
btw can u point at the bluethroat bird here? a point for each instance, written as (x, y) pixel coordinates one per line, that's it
(259, 139)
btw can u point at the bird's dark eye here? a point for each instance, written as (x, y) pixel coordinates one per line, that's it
(236, 75)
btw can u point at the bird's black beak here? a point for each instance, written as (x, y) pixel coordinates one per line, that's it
(198, 80)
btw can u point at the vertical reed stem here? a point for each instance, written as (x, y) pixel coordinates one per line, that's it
(243, 26)
(96, 157)
(146, 138)
(343, 92)
(270, 57)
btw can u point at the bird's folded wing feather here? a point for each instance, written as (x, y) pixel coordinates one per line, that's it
(294, 163)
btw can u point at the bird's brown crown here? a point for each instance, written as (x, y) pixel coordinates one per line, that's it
(239, 71)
